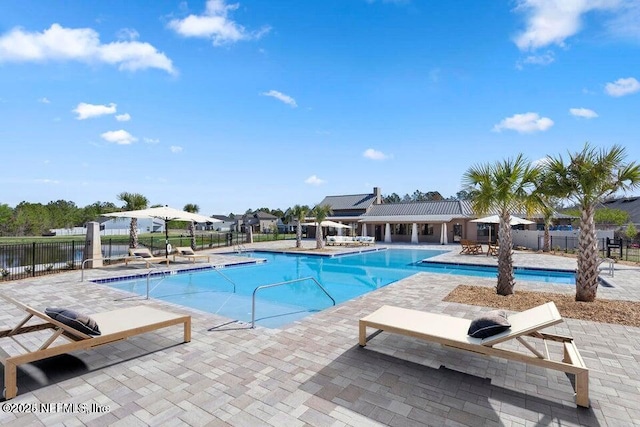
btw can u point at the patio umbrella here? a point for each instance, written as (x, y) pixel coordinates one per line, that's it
(165, 213)
(495, 219)
(443, 234)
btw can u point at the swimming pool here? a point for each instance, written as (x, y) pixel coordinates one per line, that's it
(228, 291)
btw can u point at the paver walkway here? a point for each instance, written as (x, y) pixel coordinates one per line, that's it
(313, 372)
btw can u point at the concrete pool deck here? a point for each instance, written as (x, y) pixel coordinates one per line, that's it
(312, 372)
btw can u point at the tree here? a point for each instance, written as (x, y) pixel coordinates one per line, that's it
(463, 195)
(298, 213)
(587, 178)
(133, 202)
(193, 208)
(631, 232)
(502, 187)
(6, 218)
(391, 198)
(320, 212)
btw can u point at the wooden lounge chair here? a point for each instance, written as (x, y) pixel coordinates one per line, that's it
(144, 255)
(470, 247)
(114, 326)
(493, 249)
(452, 332)
(187, 252)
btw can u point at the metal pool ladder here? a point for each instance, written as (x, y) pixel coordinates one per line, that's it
(253, 298)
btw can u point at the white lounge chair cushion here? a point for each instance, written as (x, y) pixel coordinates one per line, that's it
(488, 324)
(78, 321)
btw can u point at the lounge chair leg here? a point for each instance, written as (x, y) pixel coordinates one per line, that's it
(10, 380)
(582, 389)
(187, 330)
(362, 339)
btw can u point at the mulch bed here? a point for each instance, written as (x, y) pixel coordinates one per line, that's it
(600, 310)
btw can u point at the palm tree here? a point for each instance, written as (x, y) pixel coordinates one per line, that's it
(587, 178)
(193, 208)
(503, 187)
(298, 213)
(320, 212)
(133, 202)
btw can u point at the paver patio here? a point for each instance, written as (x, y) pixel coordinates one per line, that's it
(313, 372)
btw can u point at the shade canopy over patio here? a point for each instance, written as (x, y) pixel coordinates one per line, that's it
(165, 213)
(495, 219)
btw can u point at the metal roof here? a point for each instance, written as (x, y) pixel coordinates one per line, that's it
(449, 208)
(352, 201)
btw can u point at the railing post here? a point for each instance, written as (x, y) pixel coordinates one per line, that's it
(33, 260)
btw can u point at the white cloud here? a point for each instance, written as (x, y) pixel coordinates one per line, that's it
(524, 123)
(281, 97)
(542, 60)
(314, 180)
(79, 44)
(47, 181)
(622, 87)
(123, 117)
(127, 34)
(175, 149)
(44, 100)
(372, 154)
(583, 112)
(553, 21)
(87, 111)
(150, 140)
(215, 24)
(120, 137)
(539, 163)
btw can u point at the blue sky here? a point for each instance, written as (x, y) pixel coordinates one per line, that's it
(254, 104)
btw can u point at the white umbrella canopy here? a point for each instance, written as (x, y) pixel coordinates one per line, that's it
(163, 212)
(167, 214)
(495, 219)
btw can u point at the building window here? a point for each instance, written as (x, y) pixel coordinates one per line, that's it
(427, 229)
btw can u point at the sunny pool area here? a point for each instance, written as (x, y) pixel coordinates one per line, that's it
(303, 280)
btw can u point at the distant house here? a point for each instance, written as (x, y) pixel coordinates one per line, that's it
(631, 205)
(227, 224)
(260, 222)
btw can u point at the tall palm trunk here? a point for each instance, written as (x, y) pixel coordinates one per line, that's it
(298, 235)
(192, 234)
(133, 233)
(587, 277)
(319, 239)
(546, 245)
(506, 281)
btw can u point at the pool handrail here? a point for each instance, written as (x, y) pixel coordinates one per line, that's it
(253, 297)
(226, 278)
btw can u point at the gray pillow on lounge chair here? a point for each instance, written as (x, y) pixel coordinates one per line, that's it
(488, 324)
(80, 322)
(143, 254)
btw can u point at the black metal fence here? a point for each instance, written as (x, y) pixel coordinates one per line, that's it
(24, 260)
(622, 249)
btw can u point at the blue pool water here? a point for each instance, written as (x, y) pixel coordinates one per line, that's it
(228, 291)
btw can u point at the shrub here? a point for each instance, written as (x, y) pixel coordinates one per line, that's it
(28, 269)
(4, 272)
(48, 267)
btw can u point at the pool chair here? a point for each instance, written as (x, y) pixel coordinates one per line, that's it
(487, 331)
(187, 252)
(144, 255)
(80, 331)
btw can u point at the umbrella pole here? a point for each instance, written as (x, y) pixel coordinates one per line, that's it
(166, 238)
